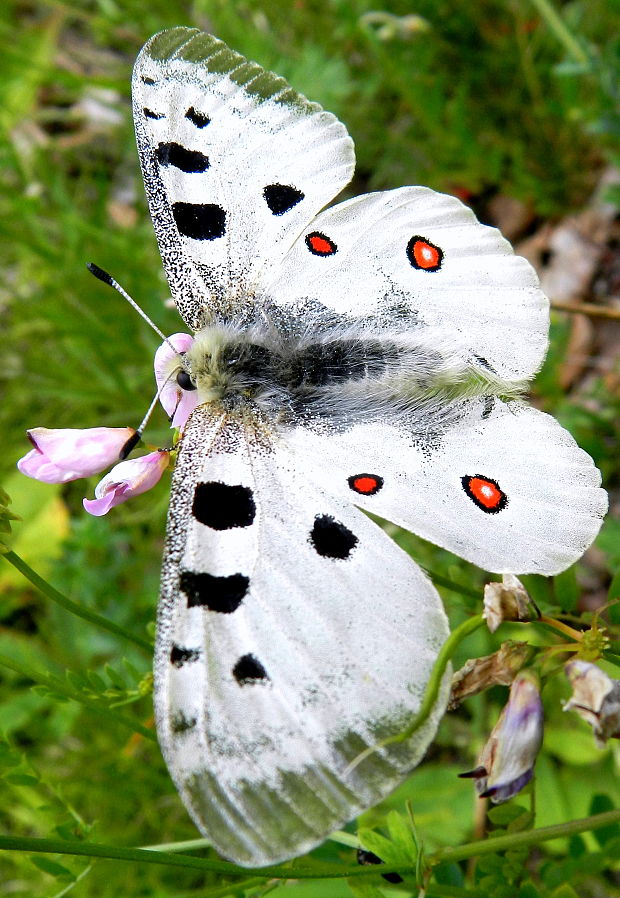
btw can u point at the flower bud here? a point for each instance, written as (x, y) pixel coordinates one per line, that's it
(508, 601)
(127, 479)
(506, 763)
(62, 455)
(498, 669)
(596, 698)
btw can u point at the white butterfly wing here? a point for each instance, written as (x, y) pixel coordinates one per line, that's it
(293, 633)
(504, 486)
(421, 259)
(235, 164)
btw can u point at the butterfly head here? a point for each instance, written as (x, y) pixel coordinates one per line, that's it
(227, 366)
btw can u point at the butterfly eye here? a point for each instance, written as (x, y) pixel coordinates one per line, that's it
(185, 381)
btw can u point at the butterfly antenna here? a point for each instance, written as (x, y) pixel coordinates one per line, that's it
(135, 438)
(102, 275)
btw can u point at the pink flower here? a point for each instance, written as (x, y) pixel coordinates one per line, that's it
(178, 403)
(127, 479)
(506, 763)
(62, 455)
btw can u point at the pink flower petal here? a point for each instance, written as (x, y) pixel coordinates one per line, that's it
(99, 507)
(35, 465)
(67, 454)
(178, 403)
(127, 479)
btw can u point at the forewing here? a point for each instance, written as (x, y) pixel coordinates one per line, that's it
(504, 485)
(293, 634)
(420, 259)
(235, 164)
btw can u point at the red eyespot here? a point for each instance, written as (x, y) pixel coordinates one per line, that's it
(423, 254)
(365, 484)
(485, 493)
(320, 245)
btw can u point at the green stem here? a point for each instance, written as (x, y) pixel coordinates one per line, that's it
(439, 580)
(434, 684)
(233, 888)
(432, 690)
(523, 839)
(437, 891)
(324, 871)
(55, 684)
(342, 838)
(188, 845)
(556, 24)
(48, 590)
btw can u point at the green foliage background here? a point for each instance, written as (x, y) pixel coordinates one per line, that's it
(477, 98)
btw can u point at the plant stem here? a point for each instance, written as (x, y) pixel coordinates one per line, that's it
(587, 308)
(432, 690)
(48, 590)
(574, 635)
(434, 684)
(320, 871)
(524, 839)
(556, 24)
(450, 584)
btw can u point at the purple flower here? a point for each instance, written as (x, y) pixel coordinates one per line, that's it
(506, 763)
(178, 403)
(127, 479)
(596, 698)
(62, 455)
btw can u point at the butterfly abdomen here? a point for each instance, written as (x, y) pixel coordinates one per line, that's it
(344, 373)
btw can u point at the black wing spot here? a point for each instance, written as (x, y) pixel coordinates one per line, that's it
(200, 221)
(222, 594)
(221, 506)
(248, 669)
(331, 539)
(482, 362)
(199, 119)
(190, 161)
(148, 113)
(146, 80)
(280, 198)
(180, 655)
(181, 724)
(489, 405)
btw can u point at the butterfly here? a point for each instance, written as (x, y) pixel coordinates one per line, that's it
(365, 357)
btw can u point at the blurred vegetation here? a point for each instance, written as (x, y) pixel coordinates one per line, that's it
(486, 98)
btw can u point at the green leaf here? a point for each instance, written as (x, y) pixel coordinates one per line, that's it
(504, 814)
(564, 891)
(21, 779)
(567, 589)
(379, 845)
(364, 889)
(115, 678)
(598, 805)
(51, 867)
(402, 836)
(449, 874)
(8, 756)
(528, 890)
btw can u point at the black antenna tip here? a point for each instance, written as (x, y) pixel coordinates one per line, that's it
(100, 273)
(131, 443)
